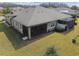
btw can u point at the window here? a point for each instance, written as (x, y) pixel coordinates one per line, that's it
(52, 25)
(16, 23)
(20, 26)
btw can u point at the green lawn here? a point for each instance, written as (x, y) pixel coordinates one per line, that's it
(13, 37)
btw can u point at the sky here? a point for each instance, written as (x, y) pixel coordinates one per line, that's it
(31, 3)
(72, 3)
(37, 3)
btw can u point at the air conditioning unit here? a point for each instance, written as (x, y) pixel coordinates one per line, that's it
(25, 38)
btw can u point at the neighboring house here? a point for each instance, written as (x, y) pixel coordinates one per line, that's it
(68, 11)
(1, 8)
(63, 9)
(38, 20)
(16, 8)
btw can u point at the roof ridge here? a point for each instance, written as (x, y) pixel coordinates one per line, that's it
(32, 14)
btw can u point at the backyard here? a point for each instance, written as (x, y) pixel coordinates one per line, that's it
(12, 44)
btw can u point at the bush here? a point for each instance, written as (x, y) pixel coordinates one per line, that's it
(51, 51)
(6, 10)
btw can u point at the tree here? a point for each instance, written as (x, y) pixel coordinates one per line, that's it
(74, 7)
(6, 10)
(54, 4)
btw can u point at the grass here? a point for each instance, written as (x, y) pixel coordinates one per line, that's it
(77, 39)
(13, 37)
(1, 14)
(77, 20)
(10, 41)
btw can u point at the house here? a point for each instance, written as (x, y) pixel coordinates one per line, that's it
(37, 20)
(16, 8)
(63, 9)
(1, 8)
(68, 11)
(14, 12)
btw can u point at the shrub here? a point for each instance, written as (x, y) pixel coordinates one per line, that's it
(6, 10)
(51, 51)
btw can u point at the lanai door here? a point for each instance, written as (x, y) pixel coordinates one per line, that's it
(25, 31)
(51, 26)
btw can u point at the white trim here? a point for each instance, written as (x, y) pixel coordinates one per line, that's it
(29, 32)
